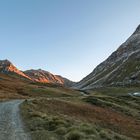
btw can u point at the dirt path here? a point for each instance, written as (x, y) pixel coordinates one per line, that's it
(11, 126)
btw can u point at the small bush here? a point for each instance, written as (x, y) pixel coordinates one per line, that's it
(92, 137)
(61, 131)
(73, 128)
(59, 121)
(88, 130)
(51, 125)
(104, 135)
(36, 124)
(35, 114)
(116, 137)
(74, 135)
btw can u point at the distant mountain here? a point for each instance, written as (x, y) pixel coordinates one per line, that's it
(122, 68)
(6, 67)
(47, 77)
(66, 82)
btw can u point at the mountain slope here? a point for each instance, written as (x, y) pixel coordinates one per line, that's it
(47, 77)
(121, 68)
(6, 67)
(42, 76)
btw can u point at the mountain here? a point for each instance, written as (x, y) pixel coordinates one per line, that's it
(66, 82)
(42, 76)
(47, 77)
(121, 68)
(6, 67)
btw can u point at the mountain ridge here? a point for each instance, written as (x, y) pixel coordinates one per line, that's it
(47, 77)
(7, 67)
(41, 76)
(112, 71)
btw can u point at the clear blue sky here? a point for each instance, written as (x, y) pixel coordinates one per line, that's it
(66, 37)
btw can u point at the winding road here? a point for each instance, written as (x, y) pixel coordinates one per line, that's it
(11, 126)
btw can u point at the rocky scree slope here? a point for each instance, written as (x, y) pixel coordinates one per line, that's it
(121, 68)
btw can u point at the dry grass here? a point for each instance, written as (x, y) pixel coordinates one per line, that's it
(103, 117)
(111, 115)
(9, 86)
(16, 88)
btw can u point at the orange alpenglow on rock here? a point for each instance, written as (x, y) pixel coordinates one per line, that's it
(6, 66)
(46, 77)
(42, 76)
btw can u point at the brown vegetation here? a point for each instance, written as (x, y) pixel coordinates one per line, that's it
(104, 117)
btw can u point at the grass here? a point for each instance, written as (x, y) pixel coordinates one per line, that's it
(129, 106)
(23, 89)
(113, 91)
(59, 113)
(62, 119)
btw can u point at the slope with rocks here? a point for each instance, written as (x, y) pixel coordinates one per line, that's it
(6, 67)
(42, 76)
(47, 77)
(121, 68)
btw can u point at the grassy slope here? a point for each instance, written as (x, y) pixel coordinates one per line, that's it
(98, 116)
(9, 87)
(12, 87)
(60, 113)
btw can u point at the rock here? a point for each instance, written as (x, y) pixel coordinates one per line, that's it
(121, 68)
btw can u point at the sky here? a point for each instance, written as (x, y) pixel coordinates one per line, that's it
(66, 37)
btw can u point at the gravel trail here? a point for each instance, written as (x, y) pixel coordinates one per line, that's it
(11, 126)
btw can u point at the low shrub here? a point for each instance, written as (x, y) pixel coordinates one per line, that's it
(74, 135)
(61, 131)
(104, 135)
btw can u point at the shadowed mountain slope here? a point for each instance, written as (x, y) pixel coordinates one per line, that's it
(121, 68)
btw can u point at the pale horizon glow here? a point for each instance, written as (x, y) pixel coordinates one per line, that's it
(65, 37)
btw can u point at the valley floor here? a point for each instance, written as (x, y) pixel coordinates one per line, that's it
(104, 114)
(58, 113)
